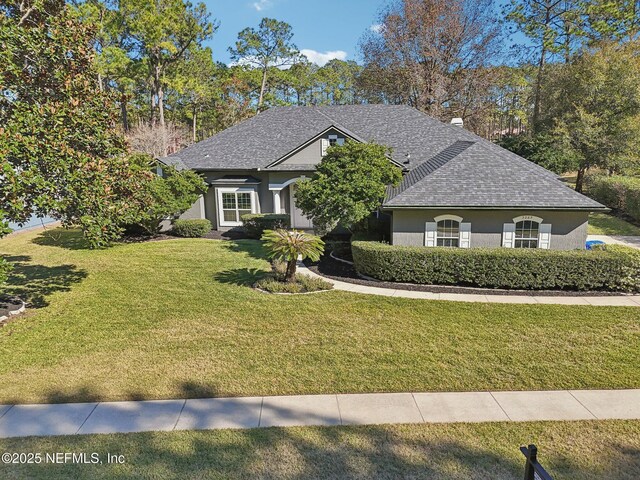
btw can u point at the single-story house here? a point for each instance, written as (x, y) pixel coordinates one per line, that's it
(458, 189)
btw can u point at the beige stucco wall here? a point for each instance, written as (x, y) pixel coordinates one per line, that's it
(568, 229)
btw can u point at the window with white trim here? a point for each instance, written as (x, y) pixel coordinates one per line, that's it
(527, 233)
(233, 203)
(448, 233)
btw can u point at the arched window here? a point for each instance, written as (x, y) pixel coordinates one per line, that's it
(527, 234)
(448, 233)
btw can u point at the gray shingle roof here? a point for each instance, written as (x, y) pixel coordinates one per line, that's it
(449, 166)
(478, 177)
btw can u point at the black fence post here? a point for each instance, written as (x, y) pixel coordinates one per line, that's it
(531, 456)
(532, 469)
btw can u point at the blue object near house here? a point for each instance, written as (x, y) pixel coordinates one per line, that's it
(593, 243)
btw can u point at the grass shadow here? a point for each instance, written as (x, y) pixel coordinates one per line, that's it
(70, 239)
(33, 282)
(252, 248)
(243, 277)
(381, 452)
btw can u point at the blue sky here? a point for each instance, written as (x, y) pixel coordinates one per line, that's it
(323, 28)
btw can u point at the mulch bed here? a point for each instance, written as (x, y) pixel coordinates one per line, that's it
(8, 306)
(343, 272)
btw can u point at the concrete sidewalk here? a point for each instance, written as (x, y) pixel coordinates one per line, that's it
(594, 300)
(341, 409)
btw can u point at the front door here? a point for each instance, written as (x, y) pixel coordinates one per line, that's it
(298, 220)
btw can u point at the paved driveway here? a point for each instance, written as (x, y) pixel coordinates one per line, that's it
(629, 241)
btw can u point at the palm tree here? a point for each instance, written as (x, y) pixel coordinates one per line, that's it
(288, 245)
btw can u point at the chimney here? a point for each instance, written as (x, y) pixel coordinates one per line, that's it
(457, 122)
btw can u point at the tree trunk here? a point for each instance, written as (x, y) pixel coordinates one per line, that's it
(194, 123)
(262, 87)
(580, 178)
(290, 276)
(538, 90)
(161, 105)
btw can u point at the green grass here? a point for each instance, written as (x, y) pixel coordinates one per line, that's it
(605, 224)
(569, 450)
(176, 318)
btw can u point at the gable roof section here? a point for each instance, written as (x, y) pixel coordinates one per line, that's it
(313, 139)
(475, 177)
(256, 142)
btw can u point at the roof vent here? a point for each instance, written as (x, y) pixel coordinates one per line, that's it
(458, 122)
(407, 160)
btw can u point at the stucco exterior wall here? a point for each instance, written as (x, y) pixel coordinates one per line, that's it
(568, 229)
(312, 153)
(207, 205)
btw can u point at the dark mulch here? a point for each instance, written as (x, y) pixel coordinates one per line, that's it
(347, 273)
(7, 304)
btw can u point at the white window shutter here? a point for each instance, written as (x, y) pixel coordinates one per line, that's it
(544, 236)
(465, 235)
(508, 235)
(324, 144)
(430, 234)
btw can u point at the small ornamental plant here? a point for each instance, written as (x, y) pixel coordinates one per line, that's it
(288, 245)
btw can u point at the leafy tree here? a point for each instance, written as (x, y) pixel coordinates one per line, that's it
(594, 108)
(194, 81)
(607, 20)
(59, 152)
(289, 245)
(268, 46)
(336, 82)
(163, 31)
(542, 149)
(166, 196)
(430, 54)
(553, 26)
(349, 184)
(114, 63)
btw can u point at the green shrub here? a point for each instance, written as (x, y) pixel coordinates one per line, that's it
(191, 228)
(303, 284)
(617, 192)
(614, 268)
(256, 223)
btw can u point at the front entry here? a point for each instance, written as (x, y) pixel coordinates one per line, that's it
(298, 219)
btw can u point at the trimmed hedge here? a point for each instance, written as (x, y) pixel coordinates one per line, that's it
(617, 192)
(615, 268)
(256, 223)
(191, 228)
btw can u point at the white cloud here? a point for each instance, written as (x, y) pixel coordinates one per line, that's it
(377, 28)
(320, 58)
(261, 5)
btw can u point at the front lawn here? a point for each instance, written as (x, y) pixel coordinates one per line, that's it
(605, 224)
(175, 319)
(569, 450)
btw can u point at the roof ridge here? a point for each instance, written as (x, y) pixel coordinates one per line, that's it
(429, 166)
(331, 119)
